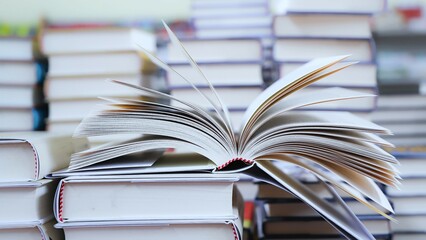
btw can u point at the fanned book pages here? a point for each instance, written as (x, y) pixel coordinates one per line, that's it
(331, 145)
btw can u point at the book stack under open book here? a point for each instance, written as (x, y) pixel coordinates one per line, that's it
(309, 29)
(340, 149)
(158, 206)
(81, 58)
(22, 105)
(26, 196)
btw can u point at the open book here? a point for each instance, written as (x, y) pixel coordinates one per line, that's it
(339, 148)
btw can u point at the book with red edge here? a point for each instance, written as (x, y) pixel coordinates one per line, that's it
(184, 204)
(344, 144)
(30, 156)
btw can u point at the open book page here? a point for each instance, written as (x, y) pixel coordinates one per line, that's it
(224, 113)
(283, 87)
(306, 99)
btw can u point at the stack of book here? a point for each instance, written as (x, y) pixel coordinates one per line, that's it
(230, 47)
(157, 206)
(81, 59)
(306, 29)
(231, 19)
(280, 215)
(410, 201)
(21, 102)
(26, 196)
(404, 115)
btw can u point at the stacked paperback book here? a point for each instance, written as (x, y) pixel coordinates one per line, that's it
(229, 46)
(404, 115)
(81, 59)
(309, 29)
(231, 19)
(26, 196)
(409, 201)
(21, 76)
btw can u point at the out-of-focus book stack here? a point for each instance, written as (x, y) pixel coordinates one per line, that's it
(81, 59)
(306, 29)
(280, 215)
(410, 201)
(229, 44)
(159, 206)
(231, 19)
(234, 20)
(22, 105)
(26, 196)
(404, 115)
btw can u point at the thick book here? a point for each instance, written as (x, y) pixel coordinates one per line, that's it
(411, 223)
(232, 22)
(413, 163)
(15, 96)
(30, 156)
(413, 186)
(401, 101)
(226, 3)
(322, 25)
(95, 39)
(406, 205)
(61, 110)
(104, 63)
(226, 11)
(219, 74)
(340, 142)
(22, 73)
(402, 115)
(217, 51)
(335, 6)
(213, 229)
(81, 87)
(16, 49)
(31, 231)
(171, 196)
(409, 235)
(26, 202)
(236, 32)
(304, 49)
(22, 119)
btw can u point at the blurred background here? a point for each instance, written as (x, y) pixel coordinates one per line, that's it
(55, 56)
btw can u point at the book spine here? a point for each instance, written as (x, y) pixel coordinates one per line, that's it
(234, 230)
(246, 161)
(61, 202)
(36, 161)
